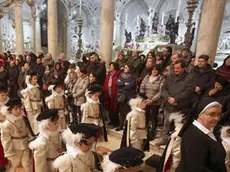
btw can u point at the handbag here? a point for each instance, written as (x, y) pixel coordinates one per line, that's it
(121, 96)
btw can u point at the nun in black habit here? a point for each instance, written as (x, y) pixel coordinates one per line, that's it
(201, 148)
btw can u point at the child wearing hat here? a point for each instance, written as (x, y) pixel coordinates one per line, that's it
(57, 100)
(32, 99)
(80, 141)
(91, 111)
(123, 159)
(135, 132)
(225, 136)
(47, 146)
(3, 100)
(15, 137)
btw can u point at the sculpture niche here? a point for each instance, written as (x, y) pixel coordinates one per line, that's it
(155, 22)
(172, 28)
(128, 37)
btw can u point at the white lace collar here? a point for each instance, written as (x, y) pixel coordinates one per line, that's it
(46, 133)
(57, 94)
(13, 118)
(30, 86)
(139, 109)
(73, 150)
(92, 101)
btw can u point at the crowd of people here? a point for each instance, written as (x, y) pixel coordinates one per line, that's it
(40, 97)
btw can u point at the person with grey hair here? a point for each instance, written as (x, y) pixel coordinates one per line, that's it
(48, 145)
(201, 148)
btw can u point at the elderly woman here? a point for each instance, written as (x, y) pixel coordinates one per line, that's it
(152, 85)
(201, 148)
(224, 70)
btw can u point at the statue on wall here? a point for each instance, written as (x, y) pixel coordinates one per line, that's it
(128, 37)
(170, 22)
(155, 22)
(172, 28)
(142, 28)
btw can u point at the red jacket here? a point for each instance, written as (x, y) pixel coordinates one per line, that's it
(110, 105)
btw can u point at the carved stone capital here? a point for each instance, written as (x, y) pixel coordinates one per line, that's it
(1, 14)
(18, 3)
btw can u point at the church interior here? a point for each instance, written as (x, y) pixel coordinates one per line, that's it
(73, 28)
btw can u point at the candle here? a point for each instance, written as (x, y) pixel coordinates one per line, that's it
(149, 23)
(162, 19)
(138, 19)
(126, 20)
(80, 8)
(179, 7)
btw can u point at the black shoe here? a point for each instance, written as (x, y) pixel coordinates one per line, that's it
(119, 129)
(152, 135)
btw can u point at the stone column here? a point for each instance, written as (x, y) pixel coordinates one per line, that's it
(33, 25)
(52, 28)
(19, 26)
(68, 40)
(210, 27)
(38, 35)
(107, 23)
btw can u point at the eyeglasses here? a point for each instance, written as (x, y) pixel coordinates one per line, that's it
(214, 114)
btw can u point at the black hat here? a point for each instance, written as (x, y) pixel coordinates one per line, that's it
(94, 88)
(222, 82)
(57, 83)
(142, 95)
(3, 89)
(202, 104)
(49, 114)
(89, 130)
(127, 157)
(13, 102)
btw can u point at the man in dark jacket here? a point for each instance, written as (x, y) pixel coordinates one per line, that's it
(167, 53)
(3, 77)
(40, 69)
(98, 67)
(136, 63)
(13, 79)
(176, 93)
(204, 76)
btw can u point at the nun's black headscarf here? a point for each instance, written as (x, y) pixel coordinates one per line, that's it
(195, 111)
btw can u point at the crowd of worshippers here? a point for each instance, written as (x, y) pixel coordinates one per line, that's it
(44, 103)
